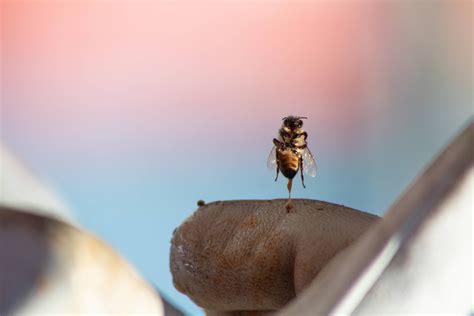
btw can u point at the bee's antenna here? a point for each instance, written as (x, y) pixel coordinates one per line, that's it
(284, 118)
(303, 117)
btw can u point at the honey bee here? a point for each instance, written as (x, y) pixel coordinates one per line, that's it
(291, 154)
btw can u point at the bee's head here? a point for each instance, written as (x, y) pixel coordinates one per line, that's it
(293, 122)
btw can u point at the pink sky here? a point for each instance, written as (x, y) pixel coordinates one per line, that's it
(123, 70)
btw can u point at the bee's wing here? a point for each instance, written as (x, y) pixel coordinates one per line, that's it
(309, 164)
(272, 159)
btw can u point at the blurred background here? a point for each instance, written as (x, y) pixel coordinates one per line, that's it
(134, 110)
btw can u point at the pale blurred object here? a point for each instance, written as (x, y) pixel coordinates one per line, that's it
(431, 274)
(19, 188)
(50, 267)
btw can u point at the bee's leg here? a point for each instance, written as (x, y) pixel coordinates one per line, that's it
(284, 135)
(277, 143)
(301, 171)
(278, 169)
(289, 206)
(289, 185)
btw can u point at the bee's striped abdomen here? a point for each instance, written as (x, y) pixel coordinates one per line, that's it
(289, 163)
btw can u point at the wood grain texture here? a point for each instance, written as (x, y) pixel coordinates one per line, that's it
(248, 257)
